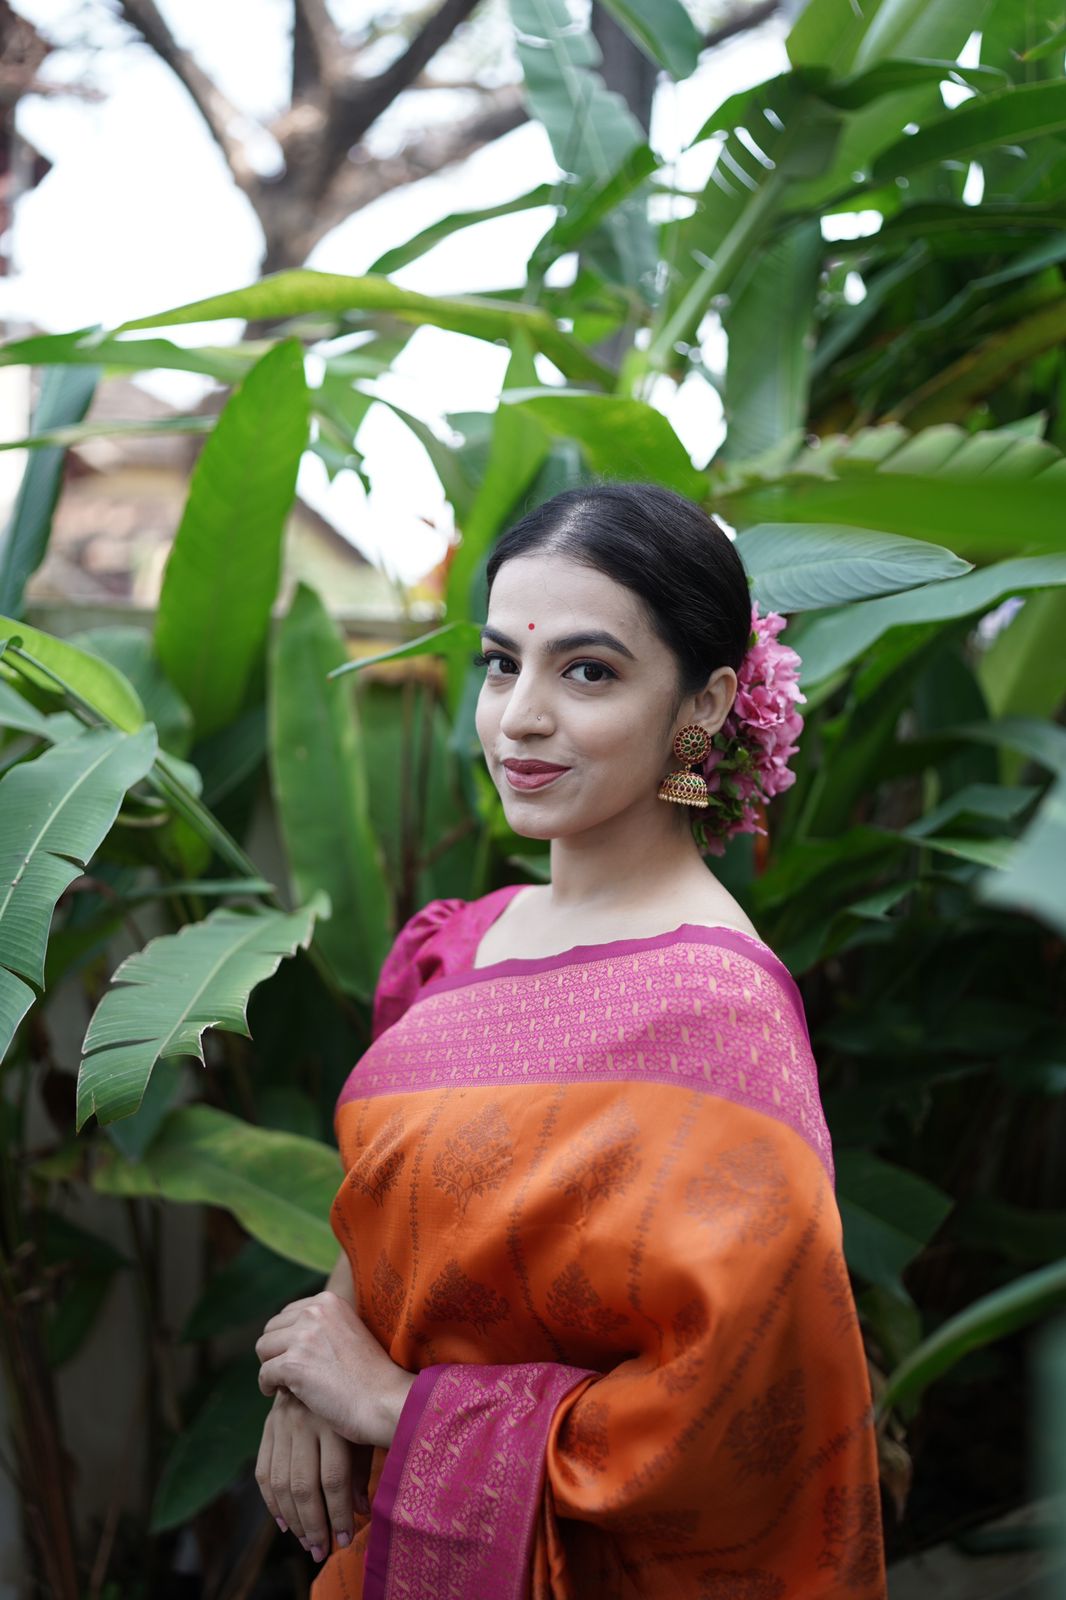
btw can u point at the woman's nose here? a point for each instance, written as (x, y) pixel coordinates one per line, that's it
(523, 712)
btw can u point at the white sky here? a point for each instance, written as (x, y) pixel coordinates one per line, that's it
(139, 213)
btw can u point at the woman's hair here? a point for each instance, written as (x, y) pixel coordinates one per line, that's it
(668, 551)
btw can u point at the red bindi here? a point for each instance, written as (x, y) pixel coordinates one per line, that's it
(531, 627)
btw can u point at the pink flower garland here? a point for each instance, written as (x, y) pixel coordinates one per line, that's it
(747, 763)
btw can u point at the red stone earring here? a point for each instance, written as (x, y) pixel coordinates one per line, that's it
(691, 744)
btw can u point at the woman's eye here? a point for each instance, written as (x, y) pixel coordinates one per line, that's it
(601, 673)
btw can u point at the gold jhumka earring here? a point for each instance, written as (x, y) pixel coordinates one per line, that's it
(691, 744)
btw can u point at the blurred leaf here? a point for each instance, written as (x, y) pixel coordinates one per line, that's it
(318, 774)
(163, 997)
(836, 638)
(543, 194)
(453, 638)
(279, 1187)
(1014, 115)
(93, 348)
(302, 293)
(993, 1317)
(768, 324)
(664, 31)
(591, 129)
(64, 399)
(888, 1215)
(1021, 671)
(621, 438)
(92, 678)
(222, 1436)
(129, 649)
(222, 574)
(251, 1288)
(989, 492)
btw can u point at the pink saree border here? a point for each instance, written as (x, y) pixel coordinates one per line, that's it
(454, 1508)
(689, 932)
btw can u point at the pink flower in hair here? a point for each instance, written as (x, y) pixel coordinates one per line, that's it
(747, 764)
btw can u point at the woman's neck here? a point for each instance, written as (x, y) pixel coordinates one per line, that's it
(630, 860)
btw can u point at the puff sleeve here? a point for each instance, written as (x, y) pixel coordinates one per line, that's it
(417, 955)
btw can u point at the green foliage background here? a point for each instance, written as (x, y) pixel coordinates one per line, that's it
(896, 410)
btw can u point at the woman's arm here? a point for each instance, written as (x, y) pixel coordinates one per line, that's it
(310, 1477)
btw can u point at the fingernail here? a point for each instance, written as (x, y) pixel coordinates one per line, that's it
(318, 1552)
(282, 1524)
(306, 1544)
(344, 1540)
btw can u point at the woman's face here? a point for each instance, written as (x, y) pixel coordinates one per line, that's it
(577, 678)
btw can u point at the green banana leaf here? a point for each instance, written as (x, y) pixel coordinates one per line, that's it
(304, 293)
(1020, 1303)
(619, 437)
(796, 568)
(55, 812)
(991, 493)
(163, 997)
(222, 574)
(65, 397)
(220, 1438)
(55, 664)
(318, 772)
(279, 1186)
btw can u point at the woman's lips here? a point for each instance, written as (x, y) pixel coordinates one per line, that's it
(536, 779)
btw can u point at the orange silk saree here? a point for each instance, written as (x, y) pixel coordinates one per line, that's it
(589, 1200)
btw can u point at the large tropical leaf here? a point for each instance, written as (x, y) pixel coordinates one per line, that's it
(64, 399)
(992, 493)
(222, 574)
(305, 293)
(93, 348)
(837, 638)
(279, 1186)
(56, 664)
(318, 770)
(619, 437)
(664, 31)
(769, 136)
(207, 1455)
(798, 568)
(591, 130)
(768, 324)
(163, 997)
(54, 813)
(1014, 116)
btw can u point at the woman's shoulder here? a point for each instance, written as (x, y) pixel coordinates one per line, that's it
(436, 939)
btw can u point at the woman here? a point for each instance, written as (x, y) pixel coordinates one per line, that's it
(591, 1313)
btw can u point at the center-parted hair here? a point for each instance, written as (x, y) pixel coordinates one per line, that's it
(678, 560)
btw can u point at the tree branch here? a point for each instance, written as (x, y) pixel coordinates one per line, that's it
(323, 36)
(218, 113)
(740, 21)
(360, 181)
(361, 101)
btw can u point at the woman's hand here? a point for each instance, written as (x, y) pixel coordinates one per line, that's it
(311, 1478)
(322, 1353)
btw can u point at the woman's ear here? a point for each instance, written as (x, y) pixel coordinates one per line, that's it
(713, 703)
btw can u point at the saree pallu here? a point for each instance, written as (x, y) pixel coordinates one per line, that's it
(589, 1200)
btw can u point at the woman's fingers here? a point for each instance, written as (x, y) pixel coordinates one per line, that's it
(335, 1474)
(305, 1482)
(262, 1472)
(289, 1313)
(279, 1481)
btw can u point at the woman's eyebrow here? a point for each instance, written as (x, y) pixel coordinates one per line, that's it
(570, 641)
